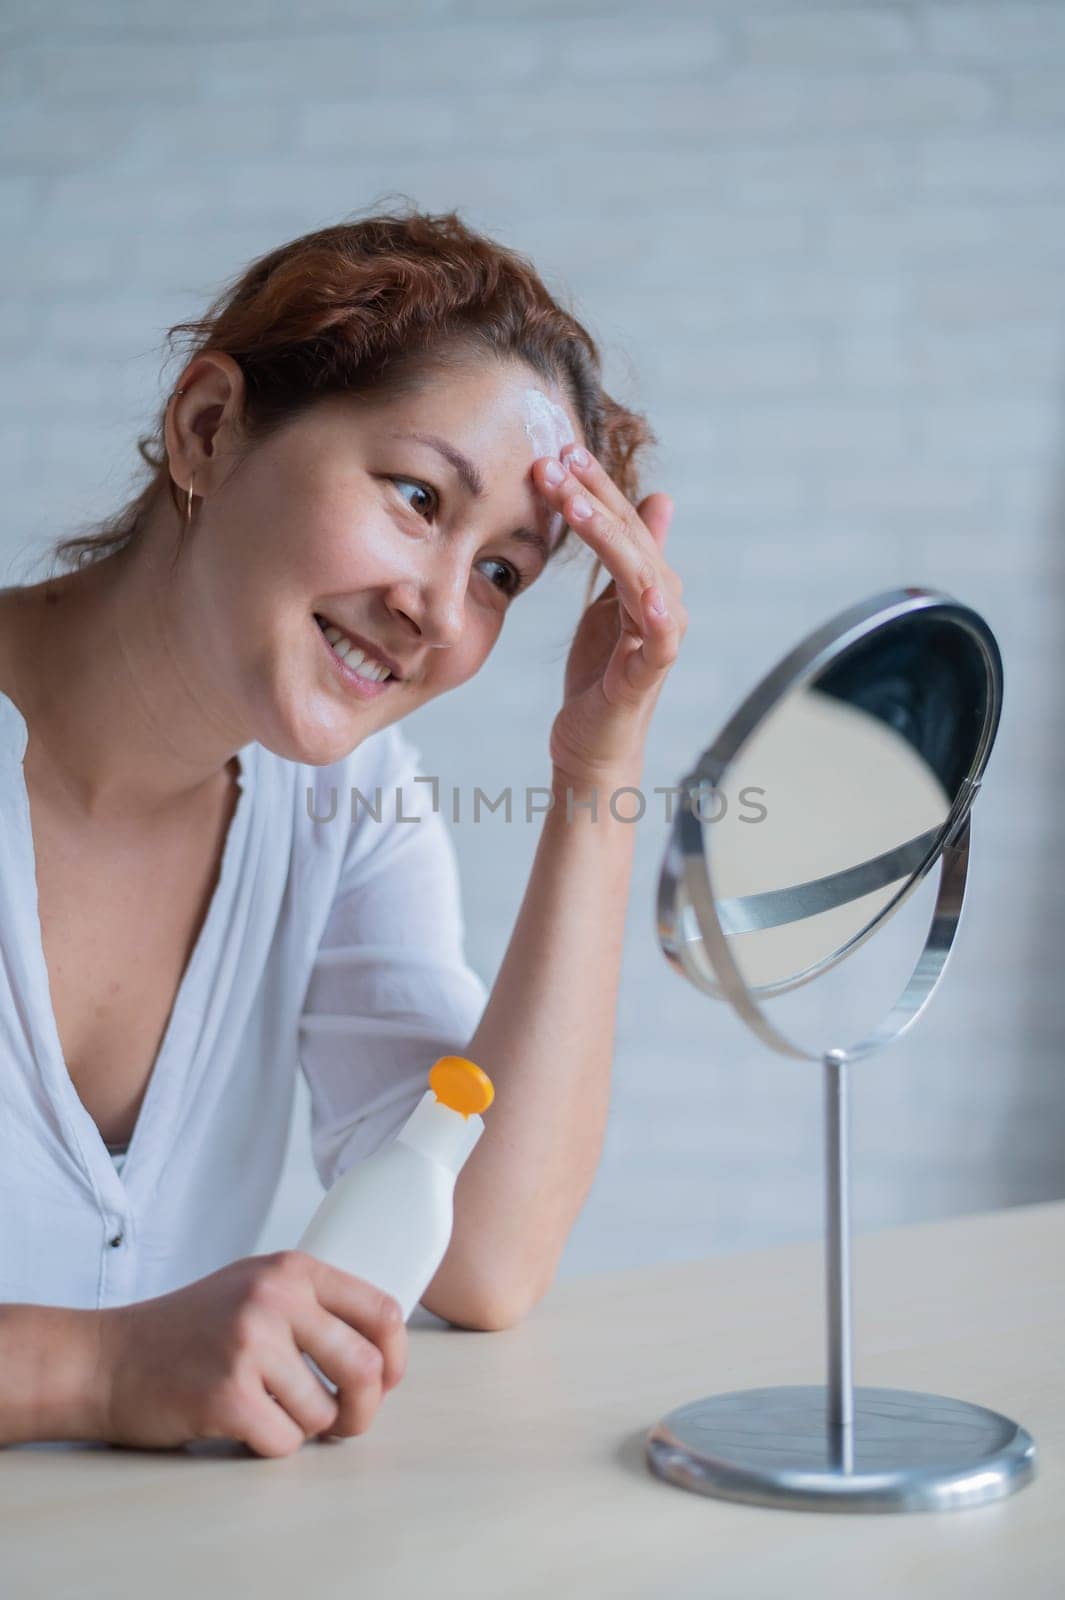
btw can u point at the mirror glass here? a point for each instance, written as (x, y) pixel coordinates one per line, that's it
(831, 810)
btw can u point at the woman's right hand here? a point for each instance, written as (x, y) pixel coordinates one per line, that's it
(223, 1357)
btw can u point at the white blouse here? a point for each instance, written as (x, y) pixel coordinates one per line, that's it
(334, 941)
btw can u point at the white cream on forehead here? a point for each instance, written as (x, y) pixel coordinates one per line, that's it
(546, 424)
(548, 428)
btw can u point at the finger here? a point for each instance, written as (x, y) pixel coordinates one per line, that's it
(289, 1379)
(580, 461)
(661, 643)
(349, 1361)
(632, 558)
(269, 1430)
(631, 627)
(656, 513)
(367, 1309)
(634, 669)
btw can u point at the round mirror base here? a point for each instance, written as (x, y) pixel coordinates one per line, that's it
(906, 1451)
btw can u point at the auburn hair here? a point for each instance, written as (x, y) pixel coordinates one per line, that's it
(366, 307)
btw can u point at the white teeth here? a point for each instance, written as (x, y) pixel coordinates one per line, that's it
(365, 665)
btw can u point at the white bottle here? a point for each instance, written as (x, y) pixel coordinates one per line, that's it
(388, 1219)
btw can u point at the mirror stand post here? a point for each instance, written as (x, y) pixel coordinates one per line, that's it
(833, 1447)
(840, 1419)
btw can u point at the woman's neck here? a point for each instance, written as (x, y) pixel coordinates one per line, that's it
(121, 723)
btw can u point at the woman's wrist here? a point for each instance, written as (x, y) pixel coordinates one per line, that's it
(54, 1383)
(612, 793)
(70, 1390)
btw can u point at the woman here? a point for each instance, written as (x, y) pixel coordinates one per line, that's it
(382, 433)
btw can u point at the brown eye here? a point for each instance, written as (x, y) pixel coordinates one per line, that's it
(422, 489)
(513, 579)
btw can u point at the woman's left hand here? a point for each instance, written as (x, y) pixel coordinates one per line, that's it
(623, 647)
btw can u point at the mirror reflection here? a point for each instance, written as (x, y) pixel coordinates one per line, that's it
(834, 806)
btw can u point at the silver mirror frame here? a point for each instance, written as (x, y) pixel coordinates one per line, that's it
(685, 875)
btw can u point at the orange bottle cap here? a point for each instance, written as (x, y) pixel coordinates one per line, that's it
(461, 1085)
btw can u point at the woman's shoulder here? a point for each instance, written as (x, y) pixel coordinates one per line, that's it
(12, 614)
(16, 660)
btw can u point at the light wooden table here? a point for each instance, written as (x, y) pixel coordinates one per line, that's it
(511, 1464)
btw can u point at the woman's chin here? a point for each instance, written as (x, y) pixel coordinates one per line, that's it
(313, 729)
(320, 746)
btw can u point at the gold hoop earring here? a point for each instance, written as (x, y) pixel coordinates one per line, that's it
(192, 480)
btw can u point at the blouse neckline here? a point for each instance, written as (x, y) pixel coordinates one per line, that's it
(172, 1066)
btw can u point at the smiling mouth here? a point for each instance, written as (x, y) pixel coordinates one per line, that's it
(362, 662)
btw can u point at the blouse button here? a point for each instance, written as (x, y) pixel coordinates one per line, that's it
(117, 1240)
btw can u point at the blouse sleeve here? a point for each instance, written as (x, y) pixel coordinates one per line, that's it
(390, 988)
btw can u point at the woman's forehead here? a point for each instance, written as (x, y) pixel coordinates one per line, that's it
(483, 414)
(512, 391)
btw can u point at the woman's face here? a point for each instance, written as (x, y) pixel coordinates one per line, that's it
(346, 516)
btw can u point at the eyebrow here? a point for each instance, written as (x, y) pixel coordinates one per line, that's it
(474, 483)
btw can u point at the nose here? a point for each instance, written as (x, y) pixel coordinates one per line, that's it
(434, 601)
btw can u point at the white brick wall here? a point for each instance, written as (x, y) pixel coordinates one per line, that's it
(824, 248)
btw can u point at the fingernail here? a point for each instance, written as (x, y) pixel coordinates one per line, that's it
(577, 457)
(554, 472)
(656, 603)
(579, 507)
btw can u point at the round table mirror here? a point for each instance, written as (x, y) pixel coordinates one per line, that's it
(822, 838)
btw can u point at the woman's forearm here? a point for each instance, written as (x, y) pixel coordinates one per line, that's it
(546, 1037)
(49, 1373)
